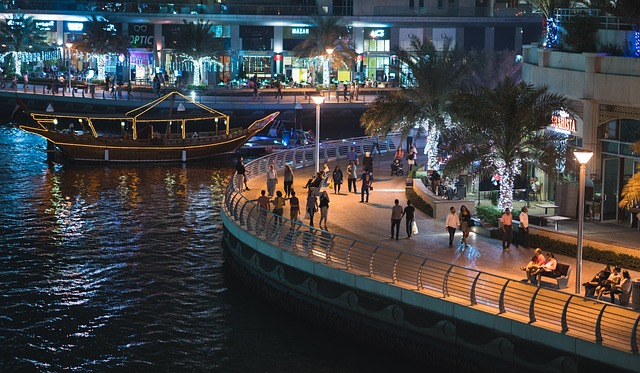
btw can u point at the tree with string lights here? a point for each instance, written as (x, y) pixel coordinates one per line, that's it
(503, 129)
(20, 35)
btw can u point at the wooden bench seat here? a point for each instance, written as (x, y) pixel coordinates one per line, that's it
(560, 275)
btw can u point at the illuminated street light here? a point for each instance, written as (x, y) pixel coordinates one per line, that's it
(583, 157)
(318, 100)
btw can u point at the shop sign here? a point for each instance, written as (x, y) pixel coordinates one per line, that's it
(377, 33)
(51, 26)
(141, 35)
(136, 58)
(563, 123)
(73, 27)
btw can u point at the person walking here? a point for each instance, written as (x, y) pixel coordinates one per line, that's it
(312, 205)
(452, 223)
(278, 207)
(278, 89)
(365, 186)
(352, 176)
(396, 218)
(263, 203)
(465, 223)
(288, 180)
(324, 209)
(524, 227)
(241, 175)
(337, 179)
(507, 231)
(294, 208)
(272, 180)
(367, 162)
(410, 214)
(156, 85)
(352, 156)
(26, 81)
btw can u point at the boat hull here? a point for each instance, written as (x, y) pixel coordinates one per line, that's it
(85, 149)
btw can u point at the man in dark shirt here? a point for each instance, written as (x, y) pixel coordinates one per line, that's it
(409, 212)
(241, 175)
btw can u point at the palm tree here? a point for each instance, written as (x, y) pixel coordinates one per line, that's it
(436, 75)
(631, 190)
(549, 26)
(326, 37)
(197, 42)
(504, 129)
(20, 36)
(101, 39)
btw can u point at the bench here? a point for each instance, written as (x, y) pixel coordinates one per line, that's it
(561, 275)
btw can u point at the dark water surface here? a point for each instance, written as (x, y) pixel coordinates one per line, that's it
(120, 268)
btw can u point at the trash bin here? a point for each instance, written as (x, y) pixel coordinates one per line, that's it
(635, 294)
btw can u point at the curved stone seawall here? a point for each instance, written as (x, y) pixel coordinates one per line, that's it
(417, 305)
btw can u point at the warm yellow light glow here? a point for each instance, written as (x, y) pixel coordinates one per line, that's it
(329, 51)
(318, 99)
(582, 156)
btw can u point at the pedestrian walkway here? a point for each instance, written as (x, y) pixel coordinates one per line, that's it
(371, 222)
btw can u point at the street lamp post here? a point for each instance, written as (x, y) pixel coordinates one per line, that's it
(583, 157)
(69, 46)
(328, 72)
(318, 100)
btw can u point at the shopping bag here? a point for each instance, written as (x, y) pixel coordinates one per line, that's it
(414, 227)
(307, 216)
(330, 186)
(299, 218)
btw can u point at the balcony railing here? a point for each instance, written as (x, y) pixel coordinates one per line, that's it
(593, 322)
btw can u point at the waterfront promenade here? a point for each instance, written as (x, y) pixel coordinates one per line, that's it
(370, 222)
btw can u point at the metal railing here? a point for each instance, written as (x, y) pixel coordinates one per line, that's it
(600, 323)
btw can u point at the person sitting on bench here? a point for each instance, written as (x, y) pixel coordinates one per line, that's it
(537, 260)
(624, 287)
(548, 266)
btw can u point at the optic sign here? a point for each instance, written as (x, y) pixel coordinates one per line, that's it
(563, 122)
(141, 35)
(377, 33)
(47, 25)
(73, 26)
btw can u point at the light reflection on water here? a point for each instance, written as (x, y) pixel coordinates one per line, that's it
(121, 268)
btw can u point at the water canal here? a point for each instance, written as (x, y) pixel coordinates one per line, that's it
(121, 268)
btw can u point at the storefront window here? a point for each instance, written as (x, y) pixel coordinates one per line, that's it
(376, 45)
(629, 130)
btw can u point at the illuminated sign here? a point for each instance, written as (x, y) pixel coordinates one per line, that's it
(47, 25)
(299, 31)
(377, 33)
(563, 123)
(74, 26)
(141, 35)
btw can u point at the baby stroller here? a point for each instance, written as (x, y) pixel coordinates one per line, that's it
(396, 167)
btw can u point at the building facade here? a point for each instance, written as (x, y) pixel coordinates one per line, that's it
(259, 39)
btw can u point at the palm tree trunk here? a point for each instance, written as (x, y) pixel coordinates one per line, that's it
(506, 174)
(326, 73)
(101, 60)
(431, 147)
(18, 64)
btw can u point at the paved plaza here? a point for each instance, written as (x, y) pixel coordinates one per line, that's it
(371, 222)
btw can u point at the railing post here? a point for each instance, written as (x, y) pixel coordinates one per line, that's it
(419, 283)
(634, 336)
(445, 280)
(598, 329)
(373, 254)
(472, 293)
(501, 307)
(565, 324)
(532, 313)
(394, 276)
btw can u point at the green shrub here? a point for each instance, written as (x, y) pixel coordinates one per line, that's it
(488, 213)
(419, 203)
(196, 87)
(493, 197)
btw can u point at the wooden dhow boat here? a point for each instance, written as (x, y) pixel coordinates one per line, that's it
(172, 128)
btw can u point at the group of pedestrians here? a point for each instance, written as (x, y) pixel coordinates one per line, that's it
(397, 213)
